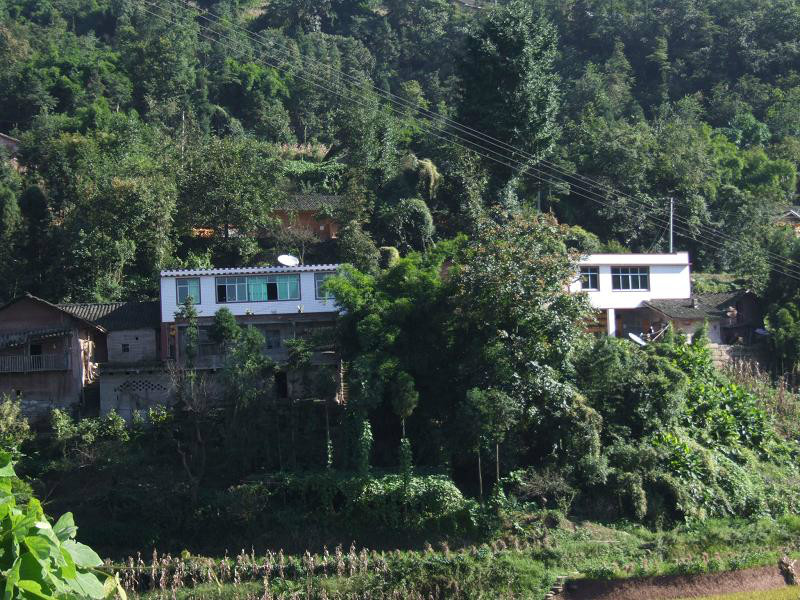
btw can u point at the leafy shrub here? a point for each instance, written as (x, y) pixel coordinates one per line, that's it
(43, 561)
(80, 438)
(682, 441)
(389, 256)
(548, 488)
(357, 248)
(602, 572)
(635, 392)
(409, 225)
(383, 503)
(14, 427)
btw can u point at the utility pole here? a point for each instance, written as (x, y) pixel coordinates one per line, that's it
(671, 218)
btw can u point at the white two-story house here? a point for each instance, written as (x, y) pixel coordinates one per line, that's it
(620, 286)
(281, 302)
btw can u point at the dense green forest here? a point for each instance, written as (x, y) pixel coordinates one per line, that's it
(142, 121)
(474, 393)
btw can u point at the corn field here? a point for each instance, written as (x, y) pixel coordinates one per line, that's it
(342, 575)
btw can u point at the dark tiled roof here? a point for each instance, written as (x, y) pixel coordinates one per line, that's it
(32, 298)
(309, 202)
(786, 212)
(7, 140)
(699, 307)
(116, 316)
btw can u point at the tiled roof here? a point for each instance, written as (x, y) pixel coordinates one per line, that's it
(32, 298)
(785, 212)
(699, 307)
(310, 202)
(116, 316)
(9, 140)
(247, 270)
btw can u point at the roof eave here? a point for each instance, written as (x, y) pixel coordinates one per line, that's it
(29, 296)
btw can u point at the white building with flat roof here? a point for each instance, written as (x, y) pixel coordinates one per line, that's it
(618, 285)
(247, 291)
(280, 301)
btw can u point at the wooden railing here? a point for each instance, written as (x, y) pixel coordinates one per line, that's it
(28, 364)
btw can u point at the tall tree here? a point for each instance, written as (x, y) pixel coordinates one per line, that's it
(230, 185)
(511, 89)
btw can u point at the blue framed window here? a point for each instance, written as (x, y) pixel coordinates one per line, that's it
(189, 287)
(258, 288)
(231, 289)
(319, 279)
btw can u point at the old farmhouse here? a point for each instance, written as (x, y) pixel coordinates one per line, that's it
(52, 355)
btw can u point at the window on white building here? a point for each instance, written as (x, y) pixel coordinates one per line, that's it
(189, 287)
(231, 289)
(590, 278)
(258, 288)
(630, 278)
(266, 288)
(319, 279)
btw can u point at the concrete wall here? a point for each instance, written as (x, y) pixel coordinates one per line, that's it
(141, 346)
(669, 278)
(129, 391)
(208, 305)
(689, 328)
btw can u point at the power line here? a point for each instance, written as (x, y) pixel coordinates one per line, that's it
(395, 99)
(525, 168)
(560, 173)
(522, 167)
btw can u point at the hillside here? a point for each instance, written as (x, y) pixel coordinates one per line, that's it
(459, 162)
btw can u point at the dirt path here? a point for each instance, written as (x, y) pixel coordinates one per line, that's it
(674, 586)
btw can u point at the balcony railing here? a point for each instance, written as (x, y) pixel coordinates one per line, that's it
(30, 364)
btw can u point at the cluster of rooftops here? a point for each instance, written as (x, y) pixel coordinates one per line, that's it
(615, 284)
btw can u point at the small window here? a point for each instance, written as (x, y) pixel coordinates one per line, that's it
(126, 348)
(189, 287)
(590, 278)
(319, 279)
(630, 279)
(36, 349)
(231, 289)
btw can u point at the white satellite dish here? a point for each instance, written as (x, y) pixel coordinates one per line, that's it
(637, 339)
(287, 260)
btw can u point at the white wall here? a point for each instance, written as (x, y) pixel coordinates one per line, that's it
(208, 297)
(669, 279)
